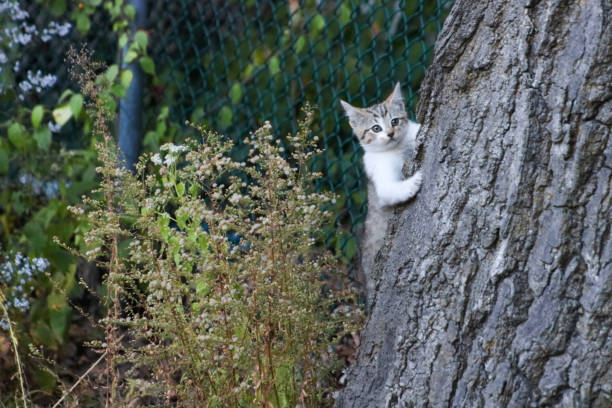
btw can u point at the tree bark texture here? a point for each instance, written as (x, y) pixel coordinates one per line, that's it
(494, 286)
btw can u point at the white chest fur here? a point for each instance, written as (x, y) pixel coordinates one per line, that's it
(384, 169)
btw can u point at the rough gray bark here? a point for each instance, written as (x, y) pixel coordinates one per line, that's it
(495, 285)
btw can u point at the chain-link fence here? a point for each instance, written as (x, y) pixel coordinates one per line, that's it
(234, 64)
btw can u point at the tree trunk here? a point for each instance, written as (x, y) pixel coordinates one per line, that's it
(495, 284)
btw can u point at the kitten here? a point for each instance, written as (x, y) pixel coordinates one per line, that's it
(387, 137)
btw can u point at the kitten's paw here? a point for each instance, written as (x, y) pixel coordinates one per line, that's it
(416, 180)
(412, 186)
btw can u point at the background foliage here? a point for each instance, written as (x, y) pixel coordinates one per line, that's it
(227, 64)
(234, 64)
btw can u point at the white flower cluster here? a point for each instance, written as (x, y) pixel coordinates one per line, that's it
(54, 128)
(12, 9)
(49, 188)
(61, 30)
(18, 32)
(21, 32)
(172, 148)
(37, 81)
(169, 159)
(156, 159)
(16, 274)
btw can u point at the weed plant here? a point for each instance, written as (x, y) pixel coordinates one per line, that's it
(216, 280)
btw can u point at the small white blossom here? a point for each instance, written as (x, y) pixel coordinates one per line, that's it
(18, 32)
(25, 86)
(14, 10)
(54, 128)
(61, 30)
(156, 159)
(176, 148)
(169, 160)
(23, 38)
(4, 324)
(16, 273)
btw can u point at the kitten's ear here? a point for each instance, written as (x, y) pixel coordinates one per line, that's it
(396, 96)
(351, 112)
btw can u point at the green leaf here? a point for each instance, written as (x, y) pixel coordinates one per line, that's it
(300, 44)
(274, 65)
(316, 25)
(123, 39)
(37, 114)
(82, 23)
(163, 114)
(108, 103)
(42, 136)
(202, 289)
(126, 78)
(130, 56)
(111, 72)
(359, 198)
(151, 140)
(4, 161)
(236, 93)
(203, 243)
(345, 14)
(45, 380)
(164, 229)
(350, 248)
(56, 301)
(141, 39)
(45, 215)
(65, 95)
(57, 7)
(181, 220)
(286, 37)
(58, 311)
(59, 320)
(62, 114)
(118, 90)
(76, 104)
(161, 128)
(225, 116)
(16, 134)
(180, 189)
(259, 56)
(129, 11)
(147, 65)
(248, 71)
(42, 334)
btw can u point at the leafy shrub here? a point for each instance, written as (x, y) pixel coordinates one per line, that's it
(39, 178)
(47, 162)
(226, 298)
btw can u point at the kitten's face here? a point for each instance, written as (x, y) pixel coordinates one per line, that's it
(379, 127)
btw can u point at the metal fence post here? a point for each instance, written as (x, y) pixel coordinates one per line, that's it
(130, 107)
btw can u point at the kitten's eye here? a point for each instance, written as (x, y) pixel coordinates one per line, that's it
(376, 129)
(394, 121)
